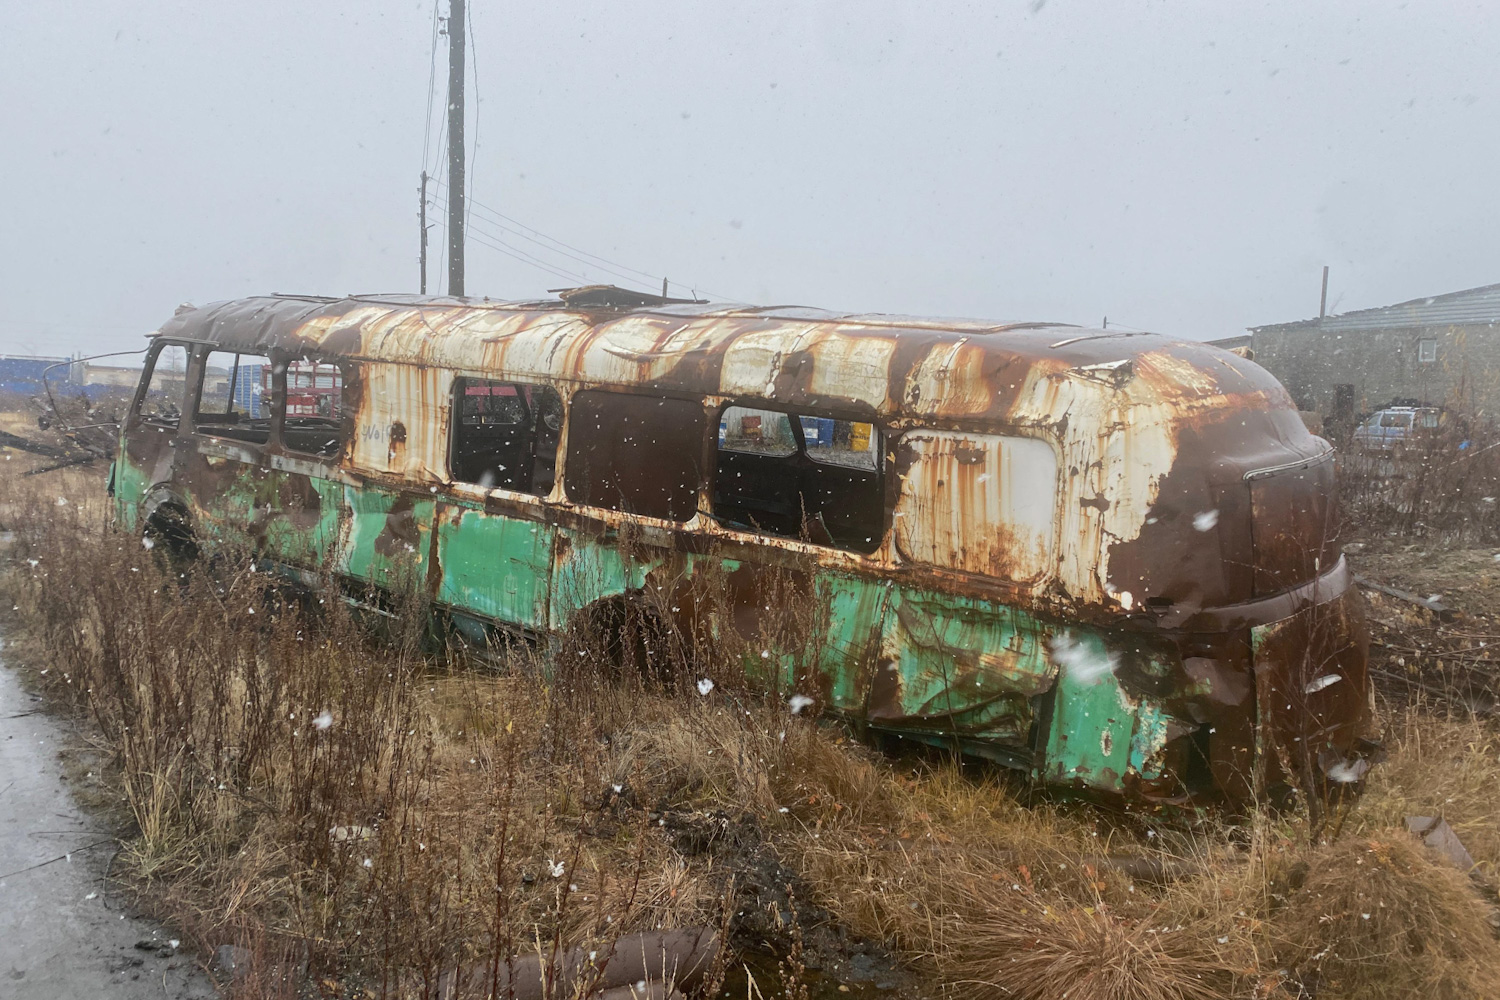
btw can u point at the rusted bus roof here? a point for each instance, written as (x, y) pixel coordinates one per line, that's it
(1129, 415)
(892, 365)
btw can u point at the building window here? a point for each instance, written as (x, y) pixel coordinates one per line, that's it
(505, 435)
(1426, 350)
(637, 454)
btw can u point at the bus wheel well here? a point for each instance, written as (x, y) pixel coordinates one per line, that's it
(621, 638)
(169, 526)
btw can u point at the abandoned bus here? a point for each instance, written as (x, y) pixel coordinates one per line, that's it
(1108, 558)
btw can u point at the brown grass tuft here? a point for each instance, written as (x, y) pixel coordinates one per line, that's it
(1020, 946)
(1383, 917)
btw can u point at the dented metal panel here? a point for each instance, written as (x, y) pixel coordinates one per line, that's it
(959, 667)
(1053, 498)
(1102, 735)
(387, 541)
(495, 566)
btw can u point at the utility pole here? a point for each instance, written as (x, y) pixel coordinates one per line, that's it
(422, 220)
(1323, 301)
(457, 24)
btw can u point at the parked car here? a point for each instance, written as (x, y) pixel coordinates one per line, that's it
(1396, 425)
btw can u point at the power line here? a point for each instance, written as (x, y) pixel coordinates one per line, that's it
(498, 242)
(512, 227)
(515, 227)
(431, 88)
(588, 264)
(483, 240)
(501, 218)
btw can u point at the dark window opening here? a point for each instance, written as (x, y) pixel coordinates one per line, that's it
(161, 404)
(816, 478)
(234, 401)
(505, 435)
(1343, 402)
(637, 454)
(317, 414)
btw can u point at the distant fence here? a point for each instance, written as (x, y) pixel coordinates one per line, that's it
(1444, 484)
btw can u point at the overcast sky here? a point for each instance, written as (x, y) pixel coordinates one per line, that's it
(1183, 167)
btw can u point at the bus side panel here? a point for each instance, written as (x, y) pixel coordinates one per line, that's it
(853, 607)
(305, 533)
(131, 484)
(808, 631)
(959, 666)
(494, 565)
(597, 562)
(388, 542)
(1105, 731)
(229, 496)
(147, 458)
(777, 616)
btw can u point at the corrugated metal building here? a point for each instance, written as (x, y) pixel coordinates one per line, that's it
(23, 373)
(1440, 350)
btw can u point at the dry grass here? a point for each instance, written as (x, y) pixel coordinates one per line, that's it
(1384, 918)
(349, 807)
(1440, 765)
(1023, 947)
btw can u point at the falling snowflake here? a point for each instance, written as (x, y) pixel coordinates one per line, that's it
(1206, 520)
(705, 686)
(1346, 772)
(798, 702)
(1081, 663)
(323, 720)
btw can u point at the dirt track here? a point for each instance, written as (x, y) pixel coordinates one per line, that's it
(63, 935)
